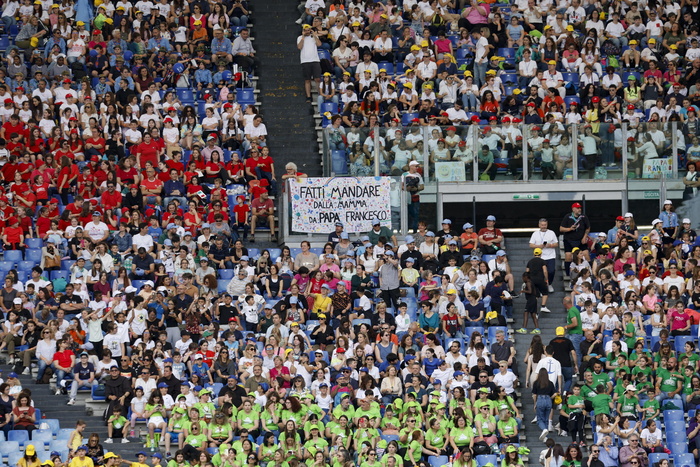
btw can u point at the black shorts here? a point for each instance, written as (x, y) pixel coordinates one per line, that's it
(541, 286)
(569, 246)
(311, 70)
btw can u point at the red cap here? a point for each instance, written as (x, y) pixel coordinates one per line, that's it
(19, 88)
(630, 139)
(444, 114)
(69, 96)
(340, 350)
(415, 120)
(231, 319)
(73, 119)
(576, 205)
(87, 98)
(531, 104)
(536, 128)
(172, 109)
(630, 107)
(461, 144)
(506, 119)
(595, 99)
(66, 81)
(8, 101)
(97, 31)
(619, 218)
(168, 120)
(487, 129)
(228, 105)
(546, 140)
(493, 118)
(207, 96)
(95, 159)
(517, 120)
(432, 116)
(475, 118)
(518, 138)
(74, 131)
(12, 220)
(451, 128)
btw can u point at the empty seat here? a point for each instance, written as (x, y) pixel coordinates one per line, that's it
(683, 460)
(20, 436)
(53, 424)
(33, 255)
(185, 95)
(9, 446)
(42, 436)
(670, 415)
(34, 243)
(6, 266)
(678, 447)
(26, 265)
(226, 274)
(53, 275)
(245, 96)
(14, 256)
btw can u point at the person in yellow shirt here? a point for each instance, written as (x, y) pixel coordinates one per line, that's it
(111, 459)
(30, 458)
(141, 462)
(80, 459)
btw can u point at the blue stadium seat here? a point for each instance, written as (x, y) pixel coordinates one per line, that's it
(53, 275)
(4, 43)
(245, 96)
(339, 163)
(407, 118)
(678, 447)
(484, 459)
(226, 274)
(506, 52)
(388, 66)
(66, 264)
(253, 253)
(6, 266)
(655, 457)
(64, 433)
(679, 344)
(42, 436)
(14, 256)
(683, 460)
(14, 457)
(33, 255)
(222, 284)
(670, 415)
(25, 265)
(185, 95)
(9, 447)
(53, 424)
(328, 107)
(19, 436)
(34, 243)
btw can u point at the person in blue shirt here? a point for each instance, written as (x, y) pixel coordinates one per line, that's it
(612, 233)
(221, 47)
(670, 222)
(55, 39)
(174, 189)
(203, 76)
(157, 41)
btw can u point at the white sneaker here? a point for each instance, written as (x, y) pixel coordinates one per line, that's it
(108, 441)
(551, 289)
(71, 402)
(534, 420)
(544, 309)
(564, 433)
(26, 371)
(550, 427)
(543, 435)
(298, 21)
(58, 392)
(124, 440)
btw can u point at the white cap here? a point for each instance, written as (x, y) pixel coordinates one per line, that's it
(148, 283)
(17, 301)
(628, 214)
(668, 201)
(130, 289)
(216, 27)
(686, 220)
(414, 163)
(655, 221)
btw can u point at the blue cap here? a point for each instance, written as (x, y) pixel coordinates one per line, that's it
(446, 221)
(473, 258)
(12, 375)
(375, 221)
(437, 381)
(364, 238)
(408, 358)
(197, 388)
(326, 286)
(55, 454)
(339, 224)
(364, 368)
(344, 236)
(467, 226)
(206, 225)
(138, 387)
(629, 272)
(264, 386)
(346, 368)
(168, 360)
(83, 447)
(171, 226)
(232, 377)
(293, 299)
(323, 385)
(491, 218)
(168, 242)
(157, 455)
(500, 253)
(162, 385)
(458, 373)
(409, 239)
(244, 258)
(140, 453)
(429, 234)
(184, 382)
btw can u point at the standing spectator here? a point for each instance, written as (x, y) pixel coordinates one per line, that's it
(308, 44)
(389, 279)
(575, 227)
(412, 182)
(546, 240)
(564, 352)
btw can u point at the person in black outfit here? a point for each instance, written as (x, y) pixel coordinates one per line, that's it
(143, 266)
(451, 253)
(593, 460)
(170, 379)
(117, 391)
(537, 269)
(564, 352)
(575, 227)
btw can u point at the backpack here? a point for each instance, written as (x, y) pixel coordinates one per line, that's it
(59, 285)
(609, 48)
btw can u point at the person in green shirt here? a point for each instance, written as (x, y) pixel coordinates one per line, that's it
(461, 435)
(669, 383)
(248, 418)
(315, 444)
(195, 443)
(507, 427)
(117, 422)
(693, 358)
(416, 449)
(574, 326)
(602, 402)
(574, 407)
(436, 436)
(651, 408)
(340, 433)
(628, 403)
(176, 429)
(365, 432)
(224, 457)
(629, 330)
(601, 377)
(220, 431)
(178, 460)
(205, 405)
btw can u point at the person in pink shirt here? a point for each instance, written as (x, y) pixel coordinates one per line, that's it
(680, 320)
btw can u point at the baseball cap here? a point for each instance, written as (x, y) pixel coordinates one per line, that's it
(537, 252)
(491, 218)
(576, 205)
(560, 331)
(500, 253)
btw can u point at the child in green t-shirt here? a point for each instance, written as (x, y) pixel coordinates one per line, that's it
(651, 408)
(117, 424)
(602, 402)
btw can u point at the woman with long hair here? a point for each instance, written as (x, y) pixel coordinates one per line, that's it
(542, 393)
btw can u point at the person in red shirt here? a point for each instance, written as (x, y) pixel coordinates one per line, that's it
(217, 208)
(236, 169)
(8, 170)
(14, 125)
(36, 144)
(76, 207)
(67, 176)
(53, 208)
(100, 170)
(43, 222)
(95, 145)
(151, 187)
(26, 200)
(25, 167)
(240, 216)
(111, 199)
(15, 146)
(267, 169)
(41, 189)
(147, 151)
(13, 237)
(176, 163)
(263, 211)
(64, 151)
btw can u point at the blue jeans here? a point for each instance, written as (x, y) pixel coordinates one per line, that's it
(41, 365)
(480, 73)
(576, 339)
(567, 373)
(413, 213)
(9, 21)
(551, 270)
(61, 375)
(242, 21)
(542, 407)
(663, 396)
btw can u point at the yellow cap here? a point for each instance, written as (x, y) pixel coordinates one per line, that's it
(645, 238)
(428, 86)
(198, 23)
(326, 74)
(651, 41)
(491, 72)
(407, 85)
(306, 26)
(424, 43)
(560, 331)
(468, 73)
(551, 62)
(673, 46)
(410, 70)
(110, 455)
(48, 462)
(383, 15)
(537, 252)
(356, 23)
(547, 27)
(415, 47)
(30, 451)
(633, 42)
(120, 8)
(109, 21)
(347, 73)
(55, 5)
(516, 91)
(80, 23)
(569, 28)
(381, 70)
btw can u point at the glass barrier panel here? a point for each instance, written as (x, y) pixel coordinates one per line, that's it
(651, 149)
(360, 159)
(549, 151)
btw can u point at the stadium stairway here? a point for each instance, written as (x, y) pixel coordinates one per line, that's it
(287, 116)
(518, 255)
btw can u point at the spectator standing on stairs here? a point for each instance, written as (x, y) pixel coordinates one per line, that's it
(547, 241)
(537, 270)
(573, 326)
(564, 352)
(575, 227)
(308, 44)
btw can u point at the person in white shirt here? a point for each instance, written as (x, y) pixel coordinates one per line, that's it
(546, 240)
(96, 229)
(143, 239)
(481, 61)
(615, 31)
(383, 47)
(308, 44)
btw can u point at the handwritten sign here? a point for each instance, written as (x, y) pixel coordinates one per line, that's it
(318, 203)
(450, 171)
(653, 168)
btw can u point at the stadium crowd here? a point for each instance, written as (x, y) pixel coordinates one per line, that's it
(495, 81)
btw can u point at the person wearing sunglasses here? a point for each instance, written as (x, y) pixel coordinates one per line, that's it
(633, 455)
